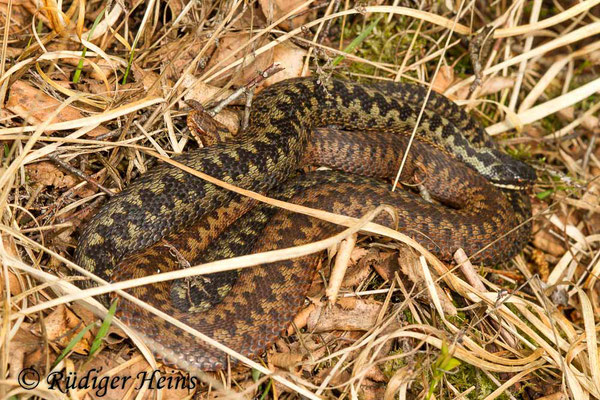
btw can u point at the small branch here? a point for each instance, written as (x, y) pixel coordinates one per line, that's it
(270, 71)
(72, 170)
(201, 122)
(246, 120)
(473, 278)
(479, 49)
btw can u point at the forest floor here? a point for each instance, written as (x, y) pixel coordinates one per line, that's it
(92, 92)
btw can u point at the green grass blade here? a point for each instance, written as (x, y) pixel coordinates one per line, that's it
(72, 344)
(103, 328)
(79, 68)
(357, 40)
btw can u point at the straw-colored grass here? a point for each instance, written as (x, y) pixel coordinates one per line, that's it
(523, 330)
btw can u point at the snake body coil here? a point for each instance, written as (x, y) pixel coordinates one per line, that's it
(169, 208)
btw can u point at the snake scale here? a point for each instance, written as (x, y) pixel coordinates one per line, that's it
(167, 218)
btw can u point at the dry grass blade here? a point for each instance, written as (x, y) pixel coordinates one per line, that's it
(87, 121)
(548, 22)
(233, 263)
(550, 107)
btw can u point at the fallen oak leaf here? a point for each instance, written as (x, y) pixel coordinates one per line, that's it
(62, 325)
(35, 106)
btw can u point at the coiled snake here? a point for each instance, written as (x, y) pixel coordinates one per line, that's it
(135, 233)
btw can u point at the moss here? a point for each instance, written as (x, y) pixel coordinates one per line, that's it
(551, 123)
(386, 43)
(467, 376)
(389, 368)
(521, 152)
(588, 102)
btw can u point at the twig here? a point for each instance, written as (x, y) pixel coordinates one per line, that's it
(201, 123)
(325, 33)
(109, 135)
(270, 71)
(246, 119)
(588, 152)
(479, 48)
(72, 170)
(473, 278)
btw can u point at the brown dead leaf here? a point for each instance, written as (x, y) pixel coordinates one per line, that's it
(287, 55)
(496, 84)
(384, 263)
(338, 379)
(285, 360)
(12, 52)
(348, 303)
(548, 243)
(591, 123)
(555, 396)
(301, 319)
(358, 271)
(594, 171)
(534, 131)
(411, 267)
(106, 71)
(230, 119)
(6, 116)
(281, 345)
(368, 389)
(375, 374)
(347, 315)
(309, 347)
(358, 253)
(13, 283)
(542, 238)
(25, 350)
(275, 9)
(291, 58)
(356, 274)
(20, 18)
(35, 107)
(9, 246)
(179, 54)
(204, 93)
(83, 313)
(566, 114)
(490, 86)
(540, 263)
(243, 73)
(149, 80)
(249, 18)
(443, 79)
(47, 174)
(62, 325)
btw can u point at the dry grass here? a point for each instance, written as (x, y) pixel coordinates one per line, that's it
(523, 330)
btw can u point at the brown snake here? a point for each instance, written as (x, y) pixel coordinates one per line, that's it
(168, 218)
